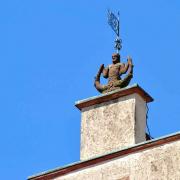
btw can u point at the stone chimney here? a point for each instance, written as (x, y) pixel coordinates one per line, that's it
(113, 121)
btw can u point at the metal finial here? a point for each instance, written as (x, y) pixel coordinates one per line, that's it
(113, 21)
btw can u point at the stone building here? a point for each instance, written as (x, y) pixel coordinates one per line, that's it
(114, 145)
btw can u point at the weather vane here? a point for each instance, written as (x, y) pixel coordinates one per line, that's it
(113, 21)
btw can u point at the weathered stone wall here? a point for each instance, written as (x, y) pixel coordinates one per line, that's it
(158, 163)
(112, 125)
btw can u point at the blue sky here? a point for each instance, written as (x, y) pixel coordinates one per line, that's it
(51, 51)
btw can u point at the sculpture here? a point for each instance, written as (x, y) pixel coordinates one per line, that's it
(113, 72)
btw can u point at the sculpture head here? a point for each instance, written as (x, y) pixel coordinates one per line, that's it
(115, 58)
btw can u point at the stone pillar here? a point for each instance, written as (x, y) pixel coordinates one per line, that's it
(112, 121)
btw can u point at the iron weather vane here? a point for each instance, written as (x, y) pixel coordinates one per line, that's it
(113, 21)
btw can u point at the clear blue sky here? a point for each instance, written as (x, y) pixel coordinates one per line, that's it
(51, 51)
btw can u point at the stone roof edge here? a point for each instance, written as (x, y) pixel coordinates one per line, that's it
(60, 171)
(135, 88)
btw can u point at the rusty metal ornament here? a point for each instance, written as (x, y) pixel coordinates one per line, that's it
(113, 21)
(113, 73)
